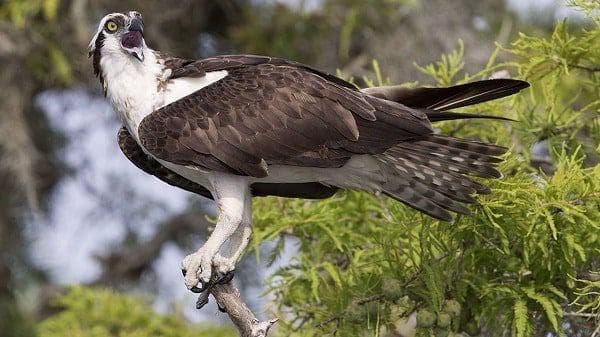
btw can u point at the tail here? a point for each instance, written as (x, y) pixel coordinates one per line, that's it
(432, 174)
(437, 101)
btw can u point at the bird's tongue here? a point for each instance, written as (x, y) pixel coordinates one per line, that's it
(132, 40)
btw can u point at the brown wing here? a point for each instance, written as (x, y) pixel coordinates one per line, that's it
(269, 111)
(144, 162)
(133, 152)
(197, 68)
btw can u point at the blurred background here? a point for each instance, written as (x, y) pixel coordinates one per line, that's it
(73, 210)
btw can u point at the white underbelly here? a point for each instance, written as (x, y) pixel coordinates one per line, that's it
(351, 175)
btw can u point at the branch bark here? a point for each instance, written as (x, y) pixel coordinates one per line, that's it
(228, 298)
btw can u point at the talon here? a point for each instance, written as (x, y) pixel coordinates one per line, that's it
(204, 286)
(202, 300)
(195, 268)
(226, 278)
(221, 309)
(197, 290)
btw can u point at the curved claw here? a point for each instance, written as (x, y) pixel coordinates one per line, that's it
(193, 268)
(197, 290)
(202, 300)
(204, 286)
(226, 278)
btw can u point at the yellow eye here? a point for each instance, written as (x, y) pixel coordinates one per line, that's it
(111, 26)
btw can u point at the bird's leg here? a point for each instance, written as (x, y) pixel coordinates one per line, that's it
(231, 193)
(226, 261)
(225, 264)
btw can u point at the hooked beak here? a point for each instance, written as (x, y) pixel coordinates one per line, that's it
(133, 40)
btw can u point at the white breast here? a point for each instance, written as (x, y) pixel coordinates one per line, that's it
(179, 88)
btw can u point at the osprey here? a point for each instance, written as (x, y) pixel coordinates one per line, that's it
(233, 127)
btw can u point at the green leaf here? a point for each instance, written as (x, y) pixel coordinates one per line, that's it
(61, 66)
(549, 306)
(50, 9)
(521, 320)
(334, 272)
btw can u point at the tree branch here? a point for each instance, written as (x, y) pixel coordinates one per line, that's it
(581, 314)
(590, 69)
(129, 262)
(596, 332)
(228, 298)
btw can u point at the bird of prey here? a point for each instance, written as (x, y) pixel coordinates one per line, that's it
(237, 126)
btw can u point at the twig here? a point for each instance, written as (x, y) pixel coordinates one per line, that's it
(228, 299)
(128, 263)
(581, 314)
(596, 332)
(381, 297)
(377, 297)
(594, 69)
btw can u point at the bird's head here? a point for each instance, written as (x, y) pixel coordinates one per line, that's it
(119, 33)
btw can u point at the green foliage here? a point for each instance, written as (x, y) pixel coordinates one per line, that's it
(19, 12)
(90, 312)
(277, 29)
(365, 263)
(14, 320)
(447, 68)
(45, 59)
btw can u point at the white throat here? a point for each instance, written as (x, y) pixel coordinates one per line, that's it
(132, 87)
(136, 89)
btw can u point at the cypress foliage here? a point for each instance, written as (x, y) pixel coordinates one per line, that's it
(94, 312)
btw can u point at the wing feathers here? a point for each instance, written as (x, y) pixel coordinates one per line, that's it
(270, 111)
(450, 97)
(275, 112)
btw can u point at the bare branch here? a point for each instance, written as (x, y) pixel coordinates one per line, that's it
(127, 263)
(590, 69)
(596, 332)
(581, 314)
(228, 299)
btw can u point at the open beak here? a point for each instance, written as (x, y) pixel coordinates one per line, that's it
(133, 40)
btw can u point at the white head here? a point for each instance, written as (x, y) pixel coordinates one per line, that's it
(121, 33)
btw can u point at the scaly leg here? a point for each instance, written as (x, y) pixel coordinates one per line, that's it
(225, 263)
(231, 193)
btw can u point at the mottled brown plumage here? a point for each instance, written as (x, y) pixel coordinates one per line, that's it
(269, 111)
(146, 163)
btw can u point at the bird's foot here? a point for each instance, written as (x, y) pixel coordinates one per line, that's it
(194, 267)
(224, 268)
(217, 278)
(197, 270)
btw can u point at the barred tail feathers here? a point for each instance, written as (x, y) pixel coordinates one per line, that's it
(432, 174)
